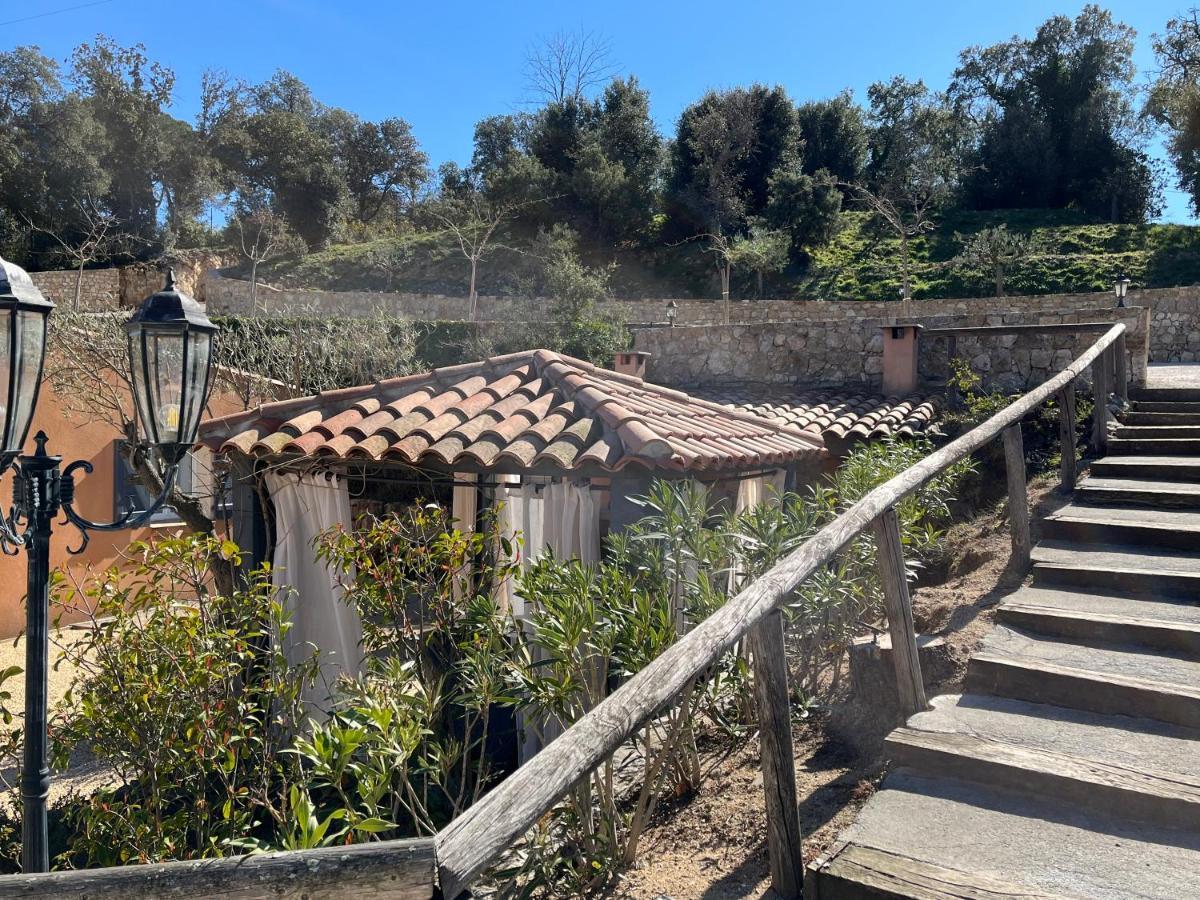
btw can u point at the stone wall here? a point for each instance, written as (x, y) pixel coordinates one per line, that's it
(845, 352)
(100, 288)
(1175, 312)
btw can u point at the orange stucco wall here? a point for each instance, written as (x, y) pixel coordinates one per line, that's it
(73, 437)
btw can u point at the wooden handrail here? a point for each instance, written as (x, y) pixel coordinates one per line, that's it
(478, 837)
(387, 870)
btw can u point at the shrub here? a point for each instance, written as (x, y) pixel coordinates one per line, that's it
(186, 695)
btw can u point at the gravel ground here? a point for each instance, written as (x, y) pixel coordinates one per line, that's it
(84, 774)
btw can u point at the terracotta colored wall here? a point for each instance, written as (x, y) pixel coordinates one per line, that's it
(74, 438)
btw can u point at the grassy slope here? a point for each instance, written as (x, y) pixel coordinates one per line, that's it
(860, 263)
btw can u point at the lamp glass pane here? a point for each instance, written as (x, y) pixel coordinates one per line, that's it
(165, 363)
(27, 370)
(198, 356)
(137, 358)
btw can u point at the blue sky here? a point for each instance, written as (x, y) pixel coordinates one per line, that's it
(444, 66)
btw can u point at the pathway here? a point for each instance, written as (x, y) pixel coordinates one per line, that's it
(1070, 767)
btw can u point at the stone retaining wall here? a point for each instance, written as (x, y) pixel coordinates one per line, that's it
(1175, 312)
(846, 352)
(100, 288)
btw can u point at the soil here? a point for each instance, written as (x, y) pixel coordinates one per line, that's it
(712, 846)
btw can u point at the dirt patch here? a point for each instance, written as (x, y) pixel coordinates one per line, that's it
(712, 846)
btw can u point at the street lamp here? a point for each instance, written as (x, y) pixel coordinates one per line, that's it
(672, 312)
(1120, 289)
(170, 357)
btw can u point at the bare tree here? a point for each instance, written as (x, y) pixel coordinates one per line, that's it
(97, 236)
(474, 221)
(262, 236)
(567, 65)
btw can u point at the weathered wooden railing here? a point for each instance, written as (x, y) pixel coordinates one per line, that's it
(404, 870)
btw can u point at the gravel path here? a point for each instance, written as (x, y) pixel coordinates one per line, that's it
(84, 775)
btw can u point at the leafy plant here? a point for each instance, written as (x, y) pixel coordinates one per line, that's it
(187, 696)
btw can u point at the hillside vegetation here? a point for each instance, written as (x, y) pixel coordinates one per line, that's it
(1068, 254)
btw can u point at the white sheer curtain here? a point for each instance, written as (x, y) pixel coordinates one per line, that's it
(560, 516)
(572, 521)
(305, 506)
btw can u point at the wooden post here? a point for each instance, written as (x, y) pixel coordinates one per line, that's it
(889, 557)
(1018, 495)
(778, 762)
(1066, 436)
(1100, 412)
(1121, 369)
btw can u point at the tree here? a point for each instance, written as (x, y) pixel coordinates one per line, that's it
(727, 146)
(95, 236)
(995, 249)
(804, 207)
(568, 65)
(262, 235)
(1174, 100)
(761, 251)
(834, 134)
(271, 142)
(916, 158)
(127, 92)
(473, 219)
(1057, 121)
(383, 164)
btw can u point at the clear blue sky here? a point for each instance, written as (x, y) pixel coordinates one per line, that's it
(445, 65)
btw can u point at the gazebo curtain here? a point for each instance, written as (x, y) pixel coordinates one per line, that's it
(560, 516)
(306, 505)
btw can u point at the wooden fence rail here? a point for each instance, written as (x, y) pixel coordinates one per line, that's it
(387, 870)
(404, 870)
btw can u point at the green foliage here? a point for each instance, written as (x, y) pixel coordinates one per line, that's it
(1059, 127)
(185, 694)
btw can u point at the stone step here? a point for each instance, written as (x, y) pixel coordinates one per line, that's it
(1136, 571)
(946, 838)
(1086, 617)
(1155, 432)
(1142, 768)
(1164, 406)
(1178, 468)
(1153, 492)
(1112, 679)
(1176, 529)
(1165, 394)
(1155, 446)
(1137, 416)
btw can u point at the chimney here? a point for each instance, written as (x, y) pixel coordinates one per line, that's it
(631, 362)
(900, 343)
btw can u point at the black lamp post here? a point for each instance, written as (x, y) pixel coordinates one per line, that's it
(672, 312)
(1120, 289)
(170, 357)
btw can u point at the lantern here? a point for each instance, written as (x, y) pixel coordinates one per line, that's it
(170, 356)
(1120, 289)
(23, 317)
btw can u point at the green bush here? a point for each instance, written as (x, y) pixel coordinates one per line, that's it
(184, 693)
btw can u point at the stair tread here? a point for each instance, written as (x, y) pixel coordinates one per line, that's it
(1115, 556)
(1128, 742)
(1148, 485)
(1159, 609)
(1045, 846)
(1137, 516)
(1120, 460)
(1155, 668)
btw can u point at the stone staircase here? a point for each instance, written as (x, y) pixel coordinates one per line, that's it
(1070, 767)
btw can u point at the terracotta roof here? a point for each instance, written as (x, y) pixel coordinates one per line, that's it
(534, 410)
(837, 417)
